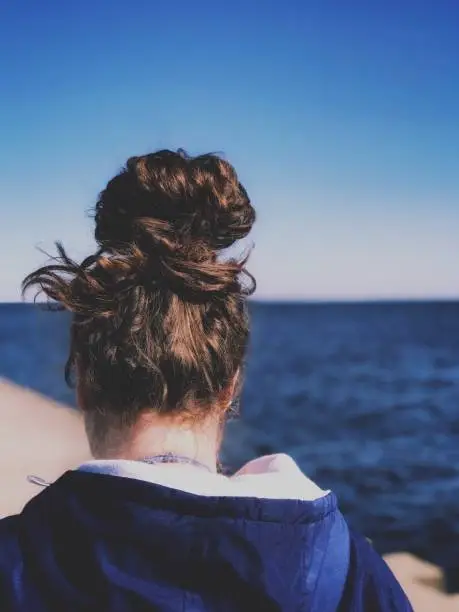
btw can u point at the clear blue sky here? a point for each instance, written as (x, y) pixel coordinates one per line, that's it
(342, 119)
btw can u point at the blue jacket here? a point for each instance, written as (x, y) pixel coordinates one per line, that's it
(96, 543)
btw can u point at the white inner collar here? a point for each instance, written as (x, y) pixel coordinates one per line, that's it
(268, 477)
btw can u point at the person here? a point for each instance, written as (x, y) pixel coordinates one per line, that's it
(158, 340)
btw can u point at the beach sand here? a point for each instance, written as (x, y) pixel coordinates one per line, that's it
(42, 438)
(423, 584)
(38, 437)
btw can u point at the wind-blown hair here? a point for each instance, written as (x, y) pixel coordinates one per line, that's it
(159, 314)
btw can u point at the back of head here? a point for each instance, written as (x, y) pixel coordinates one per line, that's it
(159, 314)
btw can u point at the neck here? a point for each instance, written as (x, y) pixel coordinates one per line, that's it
(157, 435)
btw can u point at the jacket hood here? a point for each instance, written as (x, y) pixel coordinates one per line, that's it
(100, 542)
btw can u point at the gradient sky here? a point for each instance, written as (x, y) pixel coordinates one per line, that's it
(342, 119)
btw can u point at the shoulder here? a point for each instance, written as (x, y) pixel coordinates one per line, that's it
(10, 552)
(370, 584)
(9, 526)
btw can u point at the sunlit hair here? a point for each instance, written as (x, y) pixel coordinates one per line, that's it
(159, 314)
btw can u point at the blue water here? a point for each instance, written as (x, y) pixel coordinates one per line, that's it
(364, 396)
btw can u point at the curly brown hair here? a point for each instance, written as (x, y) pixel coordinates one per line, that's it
(159, 314)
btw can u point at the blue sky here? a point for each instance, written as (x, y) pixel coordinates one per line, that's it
(342, 119)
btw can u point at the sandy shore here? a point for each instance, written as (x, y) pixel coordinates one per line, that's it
(37, 437)
(423, 583)
(42, 438)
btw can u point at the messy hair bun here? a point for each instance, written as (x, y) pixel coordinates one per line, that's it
(178, 213)
(159, 311)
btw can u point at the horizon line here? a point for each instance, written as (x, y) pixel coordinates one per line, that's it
(304, 301)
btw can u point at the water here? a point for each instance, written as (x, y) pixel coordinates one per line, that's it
(364, 396)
